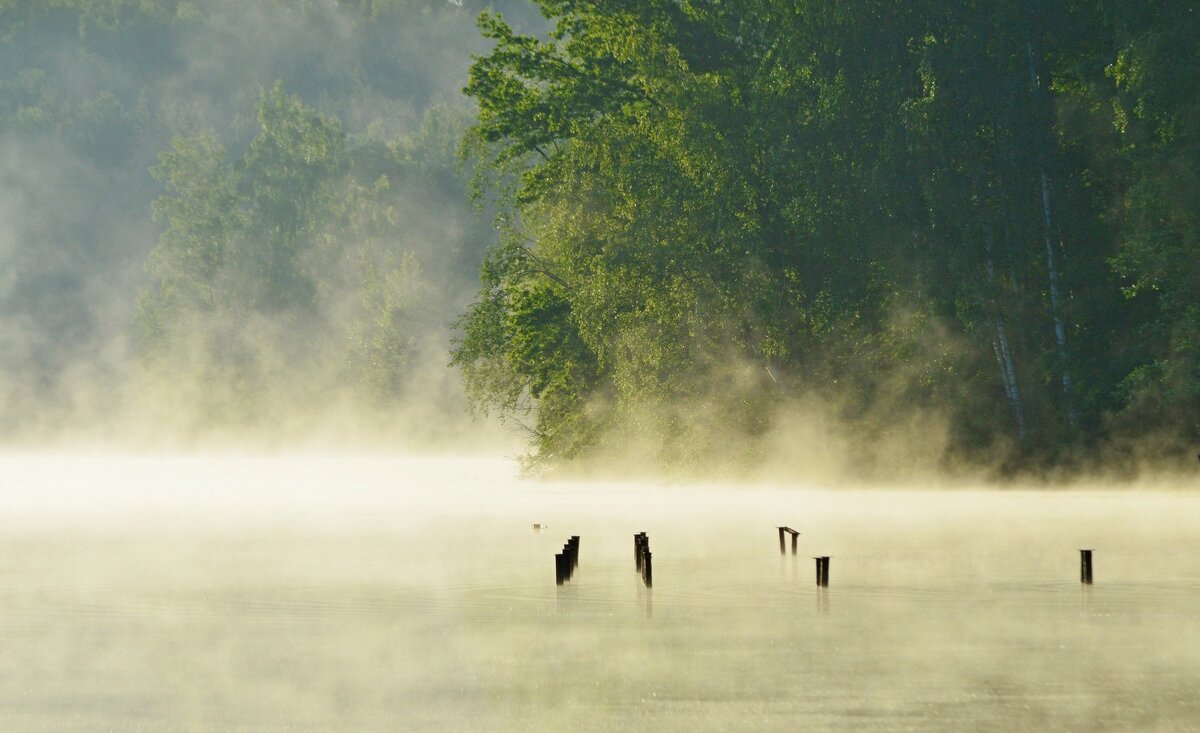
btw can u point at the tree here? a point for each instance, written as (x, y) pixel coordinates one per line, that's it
(901, 207)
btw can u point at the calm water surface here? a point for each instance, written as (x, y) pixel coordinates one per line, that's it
(365, 594)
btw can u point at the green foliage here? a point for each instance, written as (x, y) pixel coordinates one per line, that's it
(298, 242)
(1156, 71)
(872, 202)
(272, 262)
(519, 347)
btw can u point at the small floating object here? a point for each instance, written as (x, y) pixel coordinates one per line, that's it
(1085, 567)
(535, 527)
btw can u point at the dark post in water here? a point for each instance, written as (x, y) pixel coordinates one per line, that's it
(795, 535)
(566, 561)
(1085, 567)
(822, 571)
(641, 554)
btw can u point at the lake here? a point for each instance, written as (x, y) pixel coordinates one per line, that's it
(368, 593)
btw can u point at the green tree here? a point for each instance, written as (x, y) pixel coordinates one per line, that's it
(902, 207)
(276, 263)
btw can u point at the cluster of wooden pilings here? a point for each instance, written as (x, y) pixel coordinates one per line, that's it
(567, 561)
(642, 558)
(822, 561)
(1085, 560)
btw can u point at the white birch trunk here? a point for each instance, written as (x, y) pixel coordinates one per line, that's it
(1060, 329)
(1008, 371)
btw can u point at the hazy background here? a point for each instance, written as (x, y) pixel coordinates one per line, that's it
(119, 324)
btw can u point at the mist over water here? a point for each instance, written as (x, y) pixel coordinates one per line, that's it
(381, 593)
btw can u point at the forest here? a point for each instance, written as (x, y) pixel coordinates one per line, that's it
(688, 234)
(965, 228)
(238, 219)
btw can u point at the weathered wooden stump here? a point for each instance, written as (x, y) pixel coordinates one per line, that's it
(566, 561)
(641, 554)
(822, 571)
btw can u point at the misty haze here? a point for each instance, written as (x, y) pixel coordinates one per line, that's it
(549, 364)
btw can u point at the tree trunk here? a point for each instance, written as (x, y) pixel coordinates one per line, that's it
(1009, 374)
(1008, 371)
(1060, 329)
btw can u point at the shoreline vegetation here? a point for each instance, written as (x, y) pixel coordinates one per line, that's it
(941, 234)
(873, 240)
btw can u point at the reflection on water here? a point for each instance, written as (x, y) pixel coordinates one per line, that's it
(375, 594)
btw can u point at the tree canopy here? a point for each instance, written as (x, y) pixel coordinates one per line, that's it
(223, 213)
(715, 213)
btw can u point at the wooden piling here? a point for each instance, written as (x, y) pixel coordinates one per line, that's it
(822, 571)
(641, 551)
(795, 535)
(1085, 567)
(566, 561)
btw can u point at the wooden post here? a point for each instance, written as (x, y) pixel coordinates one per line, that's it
(822, 571)
(566, 561)
(1085, 567)
(641, 550)
(795, 535)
